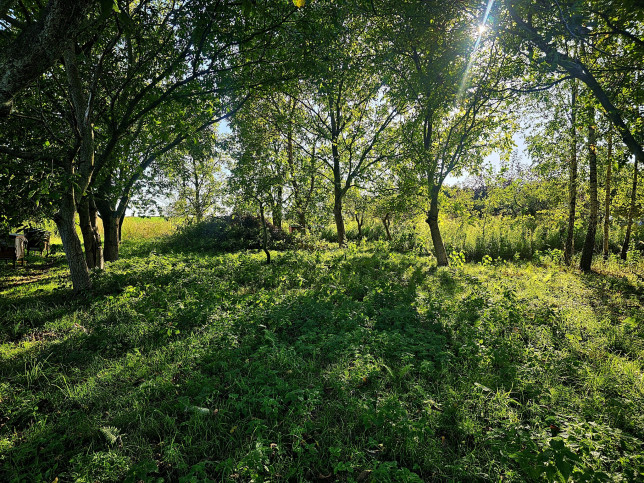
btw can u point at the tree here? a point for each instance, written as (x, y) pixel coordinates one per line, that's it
(253, 177)
(149, 58)
(195, 177)
(351, 116)
(449, 79)
(589, 243)
(553, 36)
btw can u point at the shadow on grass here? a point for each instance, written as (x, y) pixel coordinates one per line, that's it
(317, 367)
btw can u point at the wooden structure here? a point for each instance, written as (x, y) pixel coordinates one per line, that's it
(37, 240)
(8, 251)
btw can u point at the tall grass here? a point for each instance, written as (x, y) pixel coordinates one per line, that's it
(498, 237)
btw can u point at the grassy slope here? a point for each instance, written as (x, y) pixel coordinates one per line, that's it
(362, 364)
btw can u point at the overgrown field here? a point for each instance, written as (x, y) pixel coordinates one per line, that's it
(356, 365)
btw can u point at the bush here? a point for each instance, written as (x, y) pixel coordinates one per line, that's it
(229, 233)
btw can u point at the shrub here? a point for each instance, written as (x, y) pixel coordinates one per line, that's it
(228, 233)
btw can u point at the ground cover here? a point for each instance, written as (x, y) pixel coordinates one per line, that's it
(361, 364)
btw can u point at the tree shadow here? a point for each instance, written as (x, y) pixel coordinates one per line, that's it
(305, 369)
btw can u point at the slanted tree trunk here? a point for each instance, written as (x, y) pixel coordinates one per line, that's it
(569, 247)
(432, 221)
(385, 221)
(589, 243)
(121, 226)
(609, 168)
(65, 221)
(91, 236)
(631, 211)
(264, 233)
(198, 204)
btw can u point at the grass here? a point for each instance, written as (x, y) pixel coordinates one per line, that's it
(356, 365)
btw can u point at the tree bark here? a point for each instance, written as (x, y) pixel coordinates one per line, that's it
(79, 176)
(589, 243)
(111, 231)
(65, 221)
(264, 234)
(609, 169)
(385, 222)
(339, 220)
(631, 212)
(338, 195)
(359, 221)
(278, 209)
(432, 221)
(569, 247)
(91, 236)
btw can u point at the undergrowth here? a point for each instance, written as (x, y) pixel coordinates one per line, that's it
(361, 364)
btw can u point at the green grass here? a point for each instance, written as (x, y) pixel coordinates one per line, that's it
(355, 365)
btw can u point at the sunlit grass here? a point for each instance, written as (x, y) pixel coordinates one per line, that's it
(362, 363)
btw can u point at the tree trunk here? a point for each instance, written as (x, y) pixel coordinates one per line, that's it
(264, 234)
(79, 176)
(609, 168)
(360, 221)
(589, 243)
(569, 247)
(432, 221)
(339, 220)
(301, 219)
(91, 236)
(65, 221)
(112, 221)
(631, 212)
(121, 219)
(278, 209)
(111, 231)
(385, 222)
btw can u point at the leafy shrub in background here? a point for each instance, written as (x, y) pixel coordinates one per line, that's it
(228, 233)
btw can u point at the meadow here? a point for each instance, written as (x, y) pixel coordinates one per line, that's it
(361, 364)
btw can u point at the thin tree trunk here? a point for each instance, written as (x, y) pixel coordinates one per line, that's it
(338, 195)
(339, 220)
(631, 212)
(359, 221)
(91, 236)
(385, 222)
(589, 243)
(609, 168)
(569, 247)
(121, 219)
(264, 234)
(432, 221)
(278, 209)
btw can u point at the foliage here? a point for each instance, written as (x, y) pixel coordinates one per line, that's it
(239, 231)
